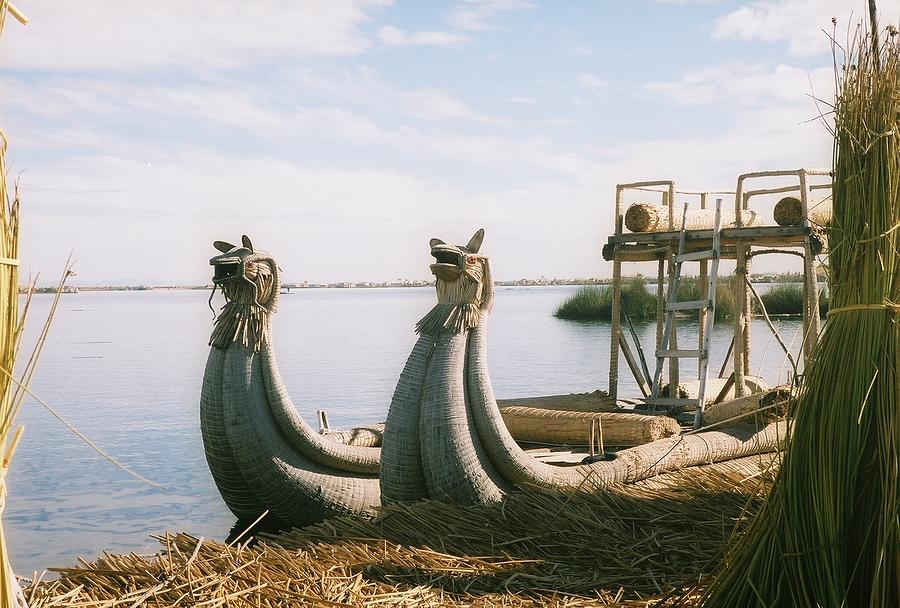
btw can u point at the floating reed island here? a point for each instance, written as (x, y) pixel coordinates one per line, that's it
(625, 547)
(459, 499)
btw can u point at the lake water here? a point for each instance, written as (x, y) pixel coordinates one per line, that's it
(126, 367)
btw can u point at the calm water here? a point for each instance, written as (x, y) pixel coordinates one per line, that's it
(125, 368)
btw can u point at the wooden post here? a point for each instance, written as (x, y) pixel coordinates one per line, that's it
(660, 300)
(636, 371)
(740, 297)
(811, 287)
(748, 312)
(615, 330)
(673, 339)
(704, 289)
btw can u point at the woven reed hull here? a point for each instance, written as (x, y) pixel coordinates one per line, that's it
(789, 212)
(292, 486)
(654, 217)
(455, 463)
(629, 466)
(574, 428)
(764, 407)
(401, 475)
(237, 494)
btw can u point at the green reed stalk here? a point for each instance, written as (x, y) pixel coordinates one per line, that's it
(829, 533)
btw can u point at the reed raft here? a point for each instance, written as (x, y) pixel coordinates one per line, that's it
(654, 217)
(535, 549)
(574, 428)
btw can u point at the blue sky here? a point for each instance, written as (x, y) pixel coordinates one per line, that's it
(341, 135)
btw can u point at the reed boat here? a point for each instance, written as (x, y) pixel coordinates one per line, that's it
(446, 437)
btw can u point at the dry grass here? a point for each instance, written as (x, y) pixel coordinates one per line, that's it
(620, 548)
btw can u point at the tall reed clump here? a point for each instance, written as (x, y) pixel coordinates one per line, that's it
(592, 303)
(9, 326)
(787, 299)
(689, 288)
(829, 532)
(12, 391)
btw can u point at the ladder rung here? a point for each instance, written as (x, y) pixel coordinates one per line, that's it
(678, 353)
(670, 401)
(689, 305)
(695, 256)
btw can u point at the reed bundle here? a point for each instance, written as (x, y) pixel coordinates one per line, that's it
(654, 217)
(789, 212)
(829, 533)
(574, 428)
(535, 549)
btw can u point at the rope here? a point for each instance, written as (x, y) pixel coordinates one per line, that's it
(9, 261)
(889, 306)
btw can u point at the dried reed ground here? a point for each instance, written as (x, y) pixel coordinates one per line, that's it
(620, 548)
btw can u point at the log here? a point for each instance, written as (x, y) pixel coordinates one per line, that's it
(574, 428)
(653, 217)
(789, 212)
(762, 408)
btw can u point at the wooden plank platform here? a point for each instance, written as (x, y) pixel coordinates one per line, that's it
(782, 236)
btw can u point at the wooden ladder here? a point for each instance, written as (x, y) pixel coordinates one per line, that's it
(673, 306)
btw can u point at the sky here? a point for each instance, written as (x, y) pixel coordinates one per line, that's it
(342, 135)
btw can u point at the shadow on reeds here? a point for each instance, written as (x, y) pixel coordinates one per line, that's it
(648, 539)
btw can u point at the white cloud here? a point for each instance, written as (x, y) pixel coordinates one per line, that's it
(393, 36)
(742, 85)
(557, 122)
(476, 14)
(582, 51)
(592, 83)
(432, 104)
(686, 2)
(800, 23)
(96, 34)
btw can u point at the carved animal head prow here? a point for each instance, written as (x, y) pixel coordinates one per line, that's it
(460, 270)
(244, 274)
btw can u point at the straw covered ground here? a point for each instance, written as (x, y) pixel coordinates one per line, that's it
(628, 547)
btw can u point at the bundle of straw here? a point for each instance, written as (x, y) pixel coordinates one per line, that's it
(829, 533)
(535, 549)
(653, 217)
(789, 212)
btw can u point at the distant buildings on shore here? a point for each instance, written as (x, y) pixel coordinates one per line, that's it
(542, 281)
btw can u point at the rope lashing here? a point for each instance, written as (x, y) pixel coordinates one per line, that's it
(9, 261)
(889, 306)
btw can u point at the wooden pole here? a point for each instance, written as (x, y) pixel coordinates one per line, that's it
(615, 330)
(704, 289)
(740, 292)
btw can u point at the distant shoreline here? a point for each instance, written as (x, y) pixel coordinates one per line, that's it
(542, 282)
